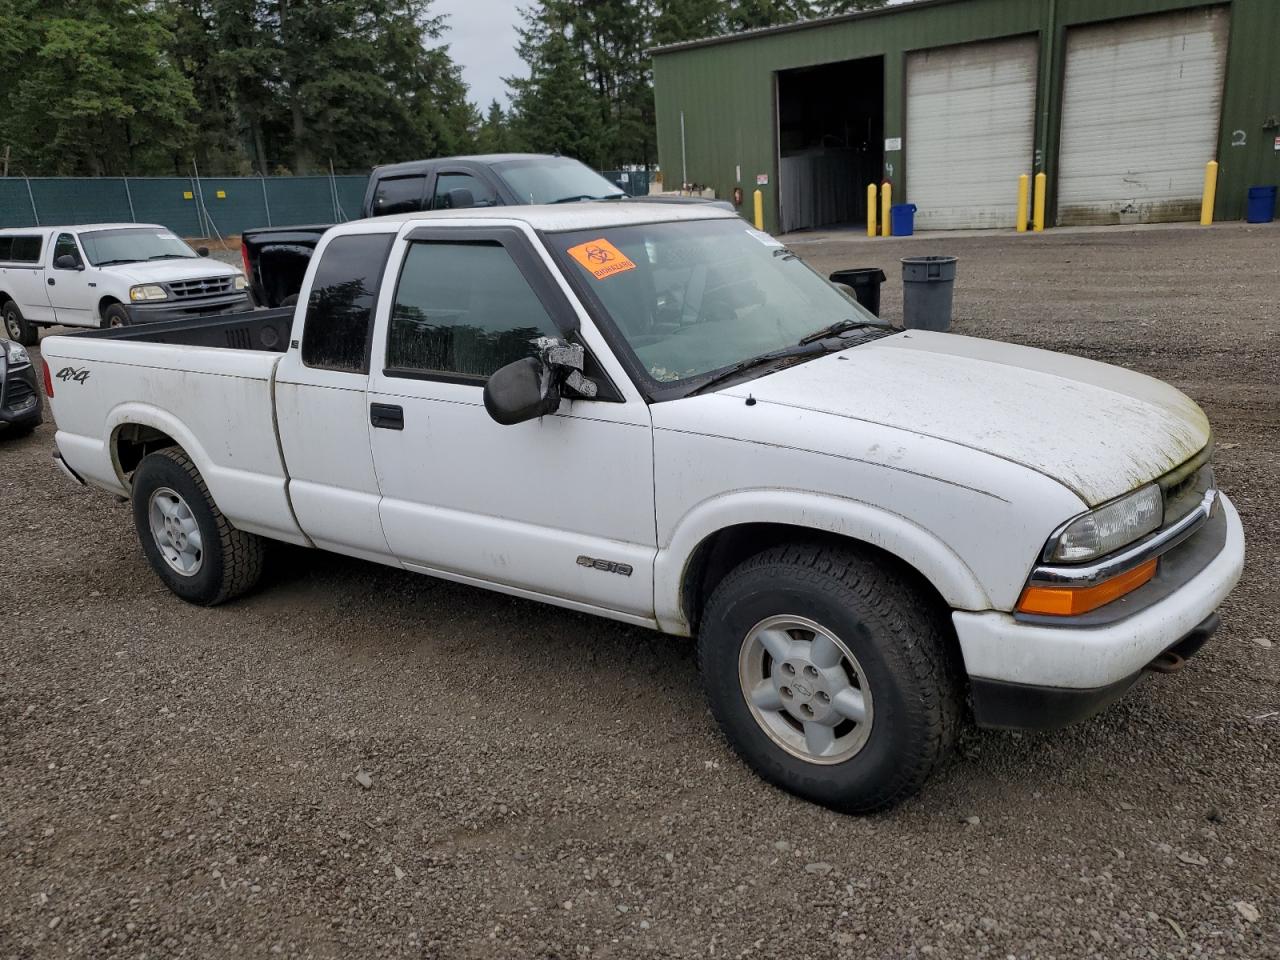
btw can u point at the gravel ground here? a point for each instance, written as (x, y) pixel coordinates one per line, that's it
(180, 782)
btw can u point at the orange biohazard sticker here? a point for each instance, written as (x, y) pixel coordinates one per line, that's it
(601, 258)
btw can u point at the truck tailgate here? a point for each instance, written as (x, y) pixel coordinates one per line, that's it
(216, 404)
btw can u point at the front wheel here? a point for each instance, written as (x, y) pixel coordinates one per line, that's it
(193, 548)
(115, 316)
(831, 674)
(16, 326)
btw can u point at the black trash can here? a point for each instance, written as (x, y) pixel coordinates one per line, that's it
(865, 282)
(927, 287)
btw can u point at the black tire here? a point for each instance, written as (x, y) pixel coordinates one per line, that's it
(16, 326)
(115, 316)
(232, 560)
(901, 642)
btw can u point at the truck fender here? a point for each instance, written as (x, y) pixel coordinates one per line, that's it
(145, 415)
(863, 522)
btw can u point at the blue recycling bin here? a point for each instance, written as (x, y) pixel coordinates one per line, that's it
(1262, 205)
(902, 219)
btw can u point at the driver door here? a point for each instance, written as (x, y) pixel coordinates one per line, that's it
(528, 508)
(73, 291)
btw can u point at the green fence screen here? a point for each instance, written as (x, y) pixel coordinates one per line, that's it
(208, 207)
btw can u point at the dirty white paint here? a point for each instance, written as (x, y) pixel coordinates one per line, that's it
(1141, 105)
(960, 456)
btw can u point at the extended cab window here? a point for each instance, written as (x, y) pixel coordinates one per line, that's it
(462, 310)
(339, 319)
(481, 196)
(19, 248)
(399, 195)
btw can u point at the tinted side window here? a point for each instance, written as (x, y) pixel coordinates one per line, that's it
(399, 195)
(65, 246)
(6, 247)
(481, 195)
(24, 249)
(339, 319)
(463, 310)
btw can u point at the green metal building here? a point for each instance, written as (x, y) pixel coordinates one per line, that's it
(1121, 103)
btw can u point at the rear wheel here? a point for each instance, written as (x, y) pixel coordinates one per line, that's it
(115, 316)
(193, 548)
(831, 674)
(16, 326)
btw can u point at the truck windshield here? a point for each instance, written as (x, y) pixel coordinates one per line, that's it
(132, 244)
(695, 297)
(554, 180)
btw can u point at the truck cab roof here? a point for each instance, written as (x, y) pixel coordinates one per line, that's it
(553, 218)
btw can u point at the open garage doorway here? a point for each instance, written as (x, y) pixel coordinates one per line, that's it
(830, 142)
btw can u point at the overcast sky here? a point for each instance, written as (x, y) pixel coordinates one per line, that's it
(482, 40)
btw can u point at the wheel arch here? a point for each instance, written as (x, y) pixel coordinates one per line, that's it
(103, 303)
(136, 429)
(716, 536)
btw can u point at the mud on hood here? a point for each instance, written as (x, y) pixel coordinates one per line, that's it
(1099, 430)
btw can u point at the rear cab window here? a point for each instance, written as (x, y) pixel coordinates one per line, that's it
(338, 327)
(399, 195)
(21, 248)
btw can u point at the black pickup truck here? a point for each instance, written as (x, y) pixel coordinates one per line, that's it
(275, 258)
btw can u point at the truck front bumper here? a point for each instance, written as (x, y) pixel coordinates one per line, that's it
(1038, 676)
(186, 309)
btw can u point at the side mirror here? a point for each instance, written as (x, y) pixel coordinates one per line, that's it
(67, 262)
(460, 197)
(202, 251)
(520, 391)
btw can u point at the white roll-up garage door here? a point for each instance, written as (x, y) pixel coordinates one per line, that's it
(970, 132)
(1141, 102)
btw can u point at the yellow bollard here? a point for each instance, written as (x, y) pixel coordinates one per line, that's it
(1042, 183)
(1210, 193)
(1024, 191)
(871, 209)
(886, 201)
(759, 202)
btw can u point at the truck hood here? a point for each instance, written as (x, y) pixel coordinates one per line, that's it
(164, 271)
(1097, 429)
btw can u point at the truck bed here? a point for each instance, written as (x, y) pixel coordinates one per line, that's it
(252, 330)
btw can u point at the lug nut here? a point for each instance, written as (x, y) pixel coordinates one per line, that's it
(785, 691)
(822, 695)
(811, 671)
(806, 710)
(788, 669)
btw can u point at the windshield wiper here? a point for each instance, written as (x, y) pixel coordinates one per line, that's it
(800, 350)
(112, 263)
(588, 196)
(839, 327)
(169, 256)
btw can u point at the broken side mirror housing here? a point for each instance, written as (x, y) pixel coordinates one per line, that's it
(530, 387)
(520, 391)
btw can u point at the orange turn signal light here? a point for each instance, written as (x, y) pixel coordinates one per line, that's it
(1072, 601)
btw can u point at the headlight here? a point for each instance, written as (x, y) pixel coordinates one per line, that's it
(1108, 527)
(18, 356)
(148, 291)
(241, 282)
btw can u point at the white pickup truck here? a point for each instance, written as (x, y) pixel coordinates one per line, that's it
(108, 275)
(664, 417)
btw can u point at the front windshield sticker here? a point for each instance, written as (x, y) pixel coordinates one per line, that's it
(601, 258)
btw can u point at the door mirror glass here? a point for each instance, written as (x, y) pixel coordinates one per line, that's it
(460, 197)
(202, 251)
(522, 390)
(66, 262)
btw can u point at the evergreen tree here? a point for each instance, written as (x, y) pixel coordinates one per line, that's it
(495, 134)
(555, 108)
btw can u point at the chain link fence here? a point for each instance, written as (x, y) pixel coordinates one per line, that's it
(205, 207)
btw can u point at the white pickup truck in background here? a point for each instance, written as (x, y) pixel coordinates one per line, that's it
(108, 275)
(664, 417)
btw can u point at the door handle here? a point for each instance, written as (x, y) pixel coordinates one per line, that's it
(387, 416)
(51, 281)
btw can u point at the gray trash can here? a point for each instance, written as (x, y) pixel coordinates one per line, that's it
(927, 287)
